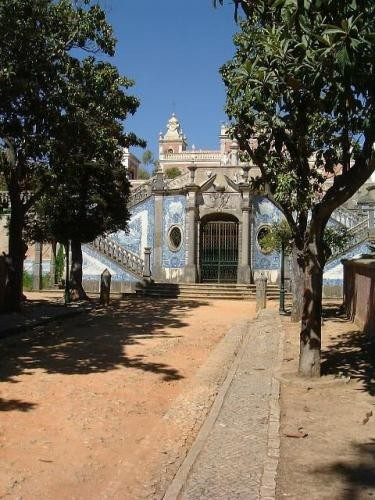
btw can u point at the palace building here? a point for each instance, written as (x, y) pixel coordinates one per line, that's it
(204, 225)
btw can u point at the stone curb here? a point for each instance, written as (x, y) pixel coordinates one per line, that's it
(181, 476)
(268, 480)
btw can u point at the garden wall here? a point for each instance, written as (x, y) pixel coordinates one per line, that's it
(359, 293)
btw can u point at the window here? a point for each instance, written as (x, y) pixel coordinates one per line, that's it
(175, 238)
(263, 240)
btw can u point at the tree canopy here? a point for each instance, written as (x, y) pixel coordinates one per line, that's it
(300, 94)
(51, 117)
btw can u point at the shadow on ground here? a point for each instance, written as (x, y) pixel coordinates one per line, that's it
(352, 354)
(359, 478)
(94, 342)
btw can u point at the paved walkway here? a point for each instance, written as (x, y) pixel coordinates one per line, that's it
(235, 455)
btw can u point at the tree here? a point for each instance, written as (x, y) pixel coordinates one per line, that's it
(279, 235)
(301, 97)
(90, 191)
(172, 173)
(40, 43)
(148, 159)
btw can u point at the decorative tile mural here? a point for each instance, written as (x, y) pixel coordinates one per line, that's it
(264, 213)
(334, 270)
(173, 215)
(141, 229)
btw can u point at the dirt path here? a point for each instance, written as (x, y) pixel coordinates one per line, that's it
(336, 458)
(104, 405)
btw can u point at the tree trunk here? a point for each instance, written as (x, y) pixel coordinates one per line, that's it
(16, 255)
(310, 337)
(76, 289)
(298, 286)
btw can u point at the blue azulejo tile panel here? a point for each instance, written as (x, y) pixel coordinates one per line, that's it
(173, 215)
(94, 264)
(358, 250)
(141, 229)
(265, 213)
(334, 271)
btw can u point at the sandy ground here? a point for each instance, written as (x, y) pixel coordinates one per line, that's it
(105, 405)
(336, 458)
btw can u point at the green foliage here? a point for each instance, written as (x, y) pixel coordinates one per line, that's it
(88, 189)
(337, 239)
(59, 263)
(147, 157)
(147, 160)
(301, 85)
(279, 234)
(27, 281)
(143, 174)
(172, 173)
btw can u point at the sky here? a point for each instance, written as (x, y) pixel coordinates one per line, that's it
(173, 50)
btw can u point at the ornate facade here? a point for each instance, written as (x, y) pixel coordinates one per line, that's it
(203, 225)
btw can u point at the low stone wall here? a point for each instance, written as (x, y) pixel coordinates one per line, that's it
(359, 293)
(93, 286)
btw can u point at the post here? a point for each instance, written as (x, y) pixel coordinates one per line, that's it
(105, 287)
(147, 264)
(190, 272)
(67, 284)
(52, 265)
(261, 292)
(244, 269)
(37, 267)
(282, 280)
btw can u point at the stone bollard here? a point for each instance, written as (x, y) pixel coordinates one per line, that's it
(147, 264)
(105, 287)
(261, 292)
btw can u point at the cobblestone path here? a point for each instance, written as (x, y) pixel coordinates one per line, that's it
(238, 458)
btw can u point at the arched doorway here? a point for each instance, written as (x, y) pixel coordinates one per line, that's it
(219, 249)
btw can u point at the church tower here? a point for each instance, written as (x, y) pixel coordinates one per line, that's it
(173, 141)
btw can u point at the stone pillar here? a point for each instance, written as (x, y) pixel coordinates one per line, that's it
(37, 267)
(52, 265)
(105, 287)
(261, 292)
(244, 268)
(158, 237)
(147, 264)
(190, 271)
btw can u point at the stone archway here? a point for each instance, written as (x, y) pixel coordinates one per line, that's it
(219, 248)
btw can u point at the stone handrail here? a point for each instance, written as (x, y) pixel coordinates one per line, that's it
(358, 234)
(128, 260)
(179, 181)
(194, 155)
(139, 194)
(348, 218)
(360, 231)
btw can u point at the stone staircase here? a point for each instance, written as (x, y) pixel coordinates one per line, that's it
(205, 291)
(127, 260)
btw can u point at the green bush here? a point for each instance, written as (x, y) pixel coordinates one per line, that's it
(172, 173)
(27, 281)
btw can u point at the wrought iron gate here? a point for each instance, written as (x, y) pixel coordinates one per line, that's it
(219, 251)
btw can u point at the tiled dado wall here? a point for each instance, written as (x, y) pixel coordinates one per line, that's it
(265, 213)
(173, 215)
(141, 228)
(139, 236)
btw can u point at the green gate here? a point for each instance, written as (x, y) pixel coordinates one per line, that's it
(219, 251)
